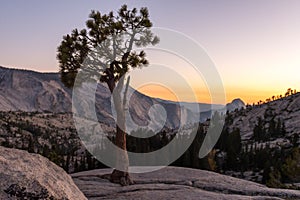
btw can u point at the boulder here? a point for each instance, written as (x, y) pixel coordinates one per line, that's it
(31, 176)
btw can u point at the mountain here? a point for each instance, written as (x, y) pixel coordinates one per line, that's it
(202, 107)
(177, 183)
(286, 110)
(235, 104)
(31, 176)
(30, 91)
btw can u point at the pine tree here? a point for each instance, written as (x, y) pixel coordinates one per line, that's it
(291, 167)
(274, 180)
(82, 164)
(76, 167)
(30, 145)
(233, 149)
(259, 131)
(113, 37)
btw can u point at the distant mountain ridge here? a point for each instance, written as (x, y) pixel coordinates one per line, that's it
(33, 91)
(29, 91)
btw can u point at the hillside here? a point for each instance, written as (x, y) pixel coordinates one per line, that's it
(261, 142)
(29, 91)
(286, 109)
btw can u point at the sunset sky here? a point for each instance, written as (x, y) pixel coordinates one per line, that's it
(255, 44)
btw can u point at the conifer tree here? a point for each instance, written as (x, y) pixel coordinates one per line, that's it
(114, 37)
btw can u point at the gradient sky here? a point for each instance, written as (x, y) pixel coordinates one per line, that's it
(254, 44)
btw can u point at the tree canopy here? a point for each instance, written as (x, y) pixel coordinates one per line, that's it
(105, 47)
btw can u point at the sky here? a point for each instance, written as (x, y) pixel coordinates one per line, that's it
(254, 44)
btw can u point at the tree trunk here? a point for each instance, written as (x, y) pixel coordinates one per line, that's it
(121, 175)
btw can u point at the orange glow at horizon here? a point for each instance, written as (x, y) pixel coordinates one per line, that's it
(163, 92)
(158, 91)
(249, 96)
(253, 95)
(181, 78)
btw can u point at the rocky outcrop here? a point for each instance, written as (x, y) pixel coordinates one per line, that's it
(31, 176)
(235, 104)
(177, 183)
